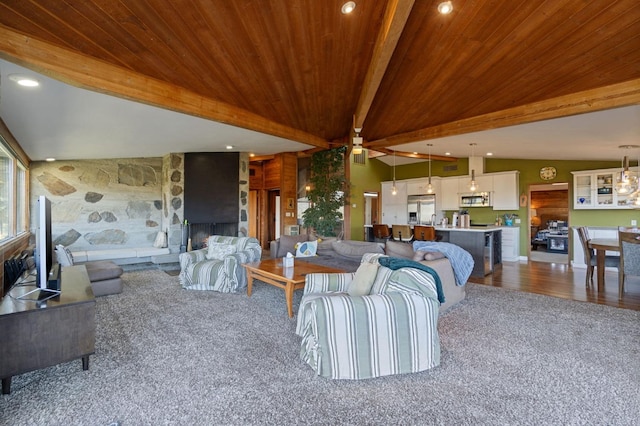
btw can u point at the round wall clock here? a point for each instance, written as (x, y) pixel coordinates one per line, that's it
(547, 173)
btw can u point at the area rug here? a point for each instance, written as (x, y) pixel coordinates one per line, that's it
(168, 356)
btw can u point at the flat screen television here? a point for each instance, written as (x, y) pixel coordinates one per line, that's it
(47, 271)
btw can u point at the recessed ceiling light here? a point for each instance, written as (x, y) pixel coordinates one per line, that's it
(229, 146)
(447, 153)
(445, 7)
(23, 80)
(489, 154)
(50, 159)
(348, 7)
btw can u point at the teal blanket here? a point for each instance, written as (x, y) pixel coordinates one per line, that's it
(397, 263)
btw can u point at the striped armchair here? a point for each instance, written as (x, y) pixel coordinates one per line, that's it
(227, 275)
(392, 330)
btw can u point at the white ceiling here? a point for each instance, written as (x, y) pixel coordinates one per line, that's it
(64, 122)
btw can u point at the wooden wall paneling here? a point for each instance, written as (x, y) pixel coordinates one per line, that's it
(256, 176)
(288, 191)
(272, 172)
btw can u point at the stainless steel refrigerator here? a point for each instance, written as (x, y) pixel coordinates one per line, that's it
(421, 209)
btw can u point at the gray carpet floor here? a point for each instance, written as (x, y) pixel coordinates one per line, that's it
(169, 356)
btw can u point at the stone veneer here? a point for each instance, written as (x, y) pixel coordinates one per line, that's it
(173, 199)
(116, 203)
(243, 220)
(100, 204)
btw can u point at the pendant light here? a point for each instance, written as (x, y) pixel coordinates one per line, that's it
(473, 186)
(429, 187)
(633, 200)
(626, 180)
(394, 190)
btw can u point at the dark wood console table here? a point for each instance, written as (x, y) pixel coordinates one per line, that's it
(39, 334)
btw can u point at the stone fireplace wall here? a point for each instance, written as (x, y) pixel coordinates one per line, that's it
(173, 199)
(101, 204)
(243, 220)
(115, 203)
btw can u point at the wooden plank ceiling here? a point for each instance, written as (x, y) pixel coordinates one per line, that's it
(302, 70)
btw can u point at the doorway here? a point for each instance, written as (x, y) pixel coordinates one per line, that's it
(370, 208)
(549, 223)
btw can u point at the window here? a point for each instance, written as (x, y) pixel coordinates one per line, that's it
(13, 194)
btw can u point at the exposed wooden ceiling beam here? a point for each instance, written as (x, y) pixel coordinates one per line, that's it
(615, 95)
(99, 76)
(395, 19)
(414, 155)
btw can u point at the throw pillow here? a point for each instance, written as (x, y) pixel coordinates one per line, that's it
(399, 249)
(288, 244)
(218, 251)
(433, 255)
(65, 258)
(161, 240)
(418, 255)
(363, 279)
(307, 249)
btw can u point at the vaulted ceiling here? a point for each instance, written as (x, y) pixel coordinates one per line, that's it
(301, 70)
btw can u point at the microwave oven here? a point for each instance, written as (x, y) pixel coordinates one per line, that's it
(477, 199)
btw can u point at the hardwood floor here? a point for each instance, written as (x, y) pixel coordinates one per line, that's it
(561, 280)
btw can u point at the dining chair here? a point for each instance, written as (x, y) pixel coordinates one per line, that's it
(401, 233)
(381, 232)
(629, 240)
(590, 256)
(424, 233)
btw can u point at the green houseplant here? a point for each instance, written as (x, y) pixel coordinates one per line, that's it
(328, 193)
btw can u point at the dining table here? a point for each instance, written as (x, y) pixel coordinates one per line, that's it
(601, 246)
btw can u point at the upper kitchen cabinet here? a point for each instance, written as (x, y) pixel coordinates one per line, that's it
(506, 187)
(394, 207)
(595, 189)
(484, 183)
(448, 198)
(421, 186)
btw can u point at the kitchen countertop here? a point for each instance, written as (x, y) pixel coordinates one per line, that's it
(490, 228)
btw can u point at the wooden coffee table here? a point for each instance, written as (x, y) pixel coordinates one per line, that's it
(289, 279)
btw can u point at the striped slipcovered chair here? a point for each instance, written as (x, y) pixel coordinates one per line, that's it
(391, 330)
(200, 270)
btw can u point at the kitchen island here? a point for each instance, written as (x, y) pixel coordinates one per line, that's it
(483, 242)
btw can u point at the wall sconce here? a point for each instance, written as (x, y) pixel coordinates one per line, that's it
(357, 142)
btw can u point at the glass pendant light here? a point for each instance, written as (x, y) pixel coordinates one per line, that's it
(473, 186)
(394, 190)
(626, 180)
(429, 187)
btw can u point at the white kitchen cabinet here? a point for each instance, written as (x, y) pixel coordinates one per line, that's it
(417, 186)
(510, 243)
(449, 197)
(505, 194)
(394, 207)
(484, 183)
(595, 189)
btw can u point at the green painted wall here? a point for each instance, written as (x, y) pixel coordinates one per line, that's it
(365, 178)
(368, 178)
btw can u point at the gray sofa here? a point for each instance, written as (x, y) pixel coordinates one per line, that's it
(346, 255)
(453, 293)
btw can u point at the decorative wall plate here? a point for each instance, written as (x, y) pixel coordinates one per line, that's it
(547, 173)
